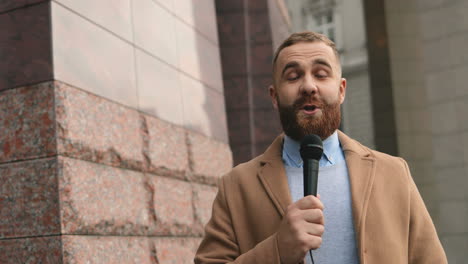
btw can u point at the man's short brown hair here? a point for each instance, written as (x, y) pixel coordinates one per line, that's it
(306, 36)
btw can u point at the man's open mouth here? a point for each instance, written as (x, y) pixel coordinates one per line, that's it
(309, 107)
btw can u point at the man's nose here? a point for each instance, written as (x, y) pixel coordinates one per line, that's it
(309, 86)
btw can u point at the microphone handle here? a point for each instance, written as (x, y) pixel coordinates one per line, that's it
(311, 169)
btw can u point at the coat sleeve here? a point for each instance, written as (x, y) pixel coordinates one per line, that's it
(220, 245)
(424, 246)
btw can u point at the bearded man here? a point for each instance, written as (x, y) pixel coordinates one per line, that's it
(368, 209)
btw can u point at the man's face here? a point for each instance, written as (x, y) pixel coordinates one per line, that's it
(308, 90)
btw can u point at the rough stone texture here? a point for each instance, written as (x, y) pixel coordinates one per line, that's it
(172, 207)
(209, 159)
(203, 202)
(29, 203)
(167, 151)
(26, 123)
(25, 39)
(176, 250)
(102, 249)
(97, 199)
(31, 250)
(93, 180)
(95, 129)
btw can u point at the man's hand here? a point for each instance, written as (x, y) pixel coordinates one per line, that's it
(301, 229)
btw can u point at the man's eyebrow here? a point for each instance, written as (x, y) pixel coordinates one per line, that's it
(322, 62)
(291, 64)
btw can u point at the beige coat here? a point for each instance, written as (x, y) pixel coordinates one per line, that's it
(391, 222)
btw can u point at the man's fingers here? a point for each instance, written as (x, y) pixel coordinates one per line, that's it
(313, 216)
(309, 202)
(311, 242)
(314, 229)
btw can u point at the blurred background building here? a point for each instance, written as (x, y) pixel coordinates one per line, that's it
(117, 117)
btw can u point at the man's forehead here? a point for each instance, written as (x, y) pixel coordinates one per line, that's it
(306, 51)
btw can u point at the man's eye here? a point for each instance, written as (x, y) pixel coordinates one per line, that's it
(292, 77)
(321, 75)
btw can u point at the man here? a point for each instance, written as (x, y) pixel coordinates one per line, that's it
(368, 209)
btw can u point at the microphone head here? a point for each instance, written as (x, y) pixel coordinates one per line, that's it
(311, 147)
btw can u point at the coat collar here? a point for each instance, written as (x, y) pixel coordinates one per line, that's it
(361, 167)
(273, 175)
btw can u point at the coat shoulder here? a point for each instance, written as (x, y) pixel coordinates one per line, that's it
(244, 172)
(381, 157)
(386, 164)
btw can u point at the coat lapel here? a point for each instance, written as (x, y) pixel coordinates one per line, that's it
(361, 168)
(273, 176)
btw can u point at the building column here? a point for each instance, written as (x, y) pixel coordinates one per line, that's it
(110, 148)
(245, 36)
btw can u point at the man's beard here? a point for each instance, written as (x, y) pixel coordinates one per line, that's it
(297, 125)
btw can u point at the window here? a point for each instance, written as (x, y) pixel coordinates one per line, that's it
(325, 24)
(322, 16)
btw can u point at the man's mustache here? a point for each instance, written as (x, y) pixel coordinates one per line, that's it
(303, 100)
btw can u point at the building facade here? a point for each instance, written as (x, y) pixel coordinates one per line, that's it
(112, 130)
(118, 117)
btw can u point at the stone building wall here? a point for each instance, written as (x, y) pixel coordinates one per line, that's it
(427, 42)
(247, 34)
(112, 130)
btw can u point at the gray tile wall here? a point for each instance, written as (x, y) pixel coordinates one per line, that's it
(428, 46)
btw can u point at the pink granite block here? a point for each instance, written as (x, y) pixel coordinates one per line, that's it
(173, 206)
(31, 250)
(29, 203)
(204, 196)
(96, 249)
(99, 199)
(95, 129)
(209, 159)
(27, 123)
(174, 250)
(167, 149)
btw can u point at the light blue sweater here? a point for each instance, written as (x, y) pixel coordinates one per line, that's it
(339, 240)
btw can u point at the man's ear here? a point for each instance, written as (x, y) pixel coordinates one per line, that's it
(274, 96)
(342, 90)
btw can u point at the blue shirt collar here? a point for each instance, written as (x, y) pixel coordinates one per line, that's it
(332, 152)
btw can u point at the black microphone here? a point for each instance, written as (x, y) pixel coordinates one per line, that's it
(311, 152)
